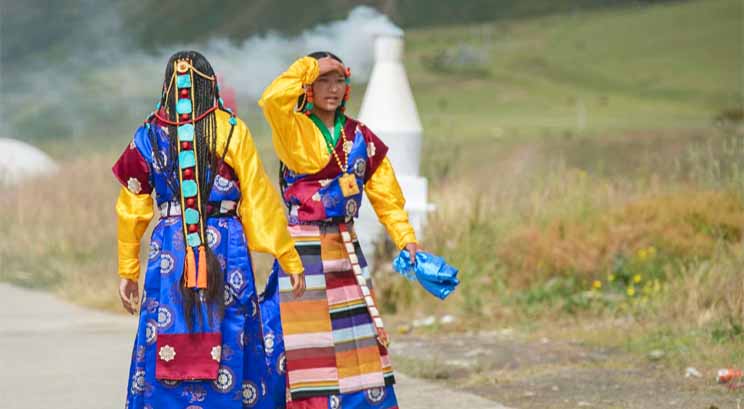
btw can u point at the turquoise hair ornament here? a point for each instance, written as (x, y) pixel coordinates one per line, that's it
(183, 106)
(193, 239)
(186, 133)
(186, 159)
(183, 81)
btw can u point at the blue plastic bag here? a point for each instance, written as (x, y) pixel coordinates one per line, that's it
(434, 274)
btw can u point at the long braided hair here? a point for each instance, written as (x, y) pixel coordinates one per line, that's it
(205, 97)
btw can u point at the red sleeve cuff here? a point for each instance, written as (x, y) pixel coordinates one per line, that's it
(132, 171)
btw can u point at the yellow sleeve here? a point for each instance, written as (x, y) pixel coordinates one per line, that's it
(135, 213)
(387, 199)
(261, 209)
(297, 140)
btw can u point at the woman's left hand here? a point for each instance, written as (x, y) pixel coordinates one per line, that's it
(412, 248)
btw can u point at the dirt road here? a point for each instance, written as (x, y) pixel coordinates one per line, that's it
(57, 355)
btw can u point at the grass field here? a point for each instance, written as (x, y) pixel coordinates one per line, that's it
(668, 66)
(572, 158)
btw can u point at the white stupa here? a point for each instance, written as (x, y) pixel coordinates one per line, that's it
(389, 110)
(19, 160)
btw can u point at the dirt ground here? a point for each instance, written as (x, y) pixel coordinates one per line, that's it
(548, 373)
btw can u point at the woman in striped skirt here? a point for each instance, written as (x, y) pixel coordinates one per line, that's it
(334, 343)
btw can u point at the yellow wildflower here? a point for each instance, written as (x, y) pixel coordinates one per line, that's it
(597, 284)
(637, 278)
(642, 254)
(610, 277)
(631, 291)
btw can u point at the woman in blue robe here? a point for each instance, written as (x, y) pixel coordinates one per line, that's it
(199, 344)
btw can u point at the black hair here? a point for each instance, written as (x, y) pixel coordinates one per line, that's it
(324, 54)
(205, 96)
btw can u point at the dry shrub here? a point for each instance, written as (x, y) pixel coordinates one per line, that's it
(683, 225)
(60, 232)
(709, 292)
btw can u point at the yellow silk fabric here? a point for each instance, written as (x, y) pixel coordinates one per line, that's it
(300, 145)
(261, 209)
(135, 212)
(386, 197)
(297, 140)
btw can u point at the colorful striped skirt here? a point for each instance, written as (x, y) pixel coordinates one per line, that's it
(332, 354)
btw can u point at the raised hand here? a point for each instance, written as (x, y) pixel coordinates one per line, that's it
(328, 64)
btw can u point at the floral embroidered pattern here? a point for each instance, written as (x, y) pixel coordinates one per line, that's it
(213, 237)
(281, 366)
(225, 380)
(236, 280)
(165, 317)
(351, 208)
(138, 382)
(167, 263)
(249, 394)
(154, 250)
(151, 333)
(375, 395)
(360, 166)
(216, 353)
(223, 184)
(347, 146)
(269, 343)
(371, 149)
(167, 353)
(134, 186)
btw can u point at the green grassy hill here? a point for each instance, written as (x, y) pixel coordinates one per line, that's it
(666, 66)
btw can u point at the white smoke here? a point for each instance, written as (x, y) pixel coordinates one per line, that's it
(115, 83)
(251, 66)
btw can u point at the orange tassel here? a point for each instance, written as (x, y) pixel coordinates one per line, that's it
(190, 268)
(202, 276)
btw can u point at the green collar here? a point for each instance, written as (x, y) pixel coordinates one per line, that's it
(331, 140)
